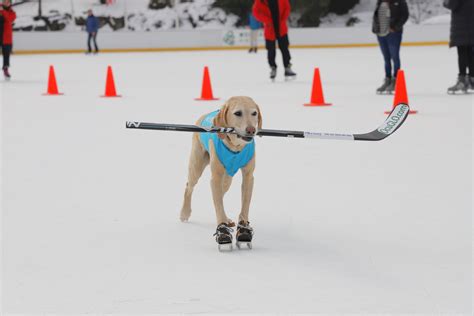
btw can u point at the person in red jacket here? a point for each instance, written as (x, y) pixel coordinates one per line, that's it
(274, 15)
(7, 16)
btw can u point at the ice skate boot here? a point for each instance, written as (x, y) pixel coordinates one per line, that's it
(244, 235)
(383, 88)
(6, 73)
(391, 87)
(273, 73)
(224, 237)
(289, 73)
(460, 86)
(471, 83)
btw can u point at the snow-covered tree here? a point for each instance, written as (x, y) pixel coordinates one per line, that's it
(420, 10)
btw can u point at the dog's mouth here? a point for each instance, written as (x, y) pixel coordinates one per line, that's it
(248, 139)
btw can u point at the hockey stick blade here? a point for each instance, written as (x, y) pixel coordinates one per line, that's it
(393, 122)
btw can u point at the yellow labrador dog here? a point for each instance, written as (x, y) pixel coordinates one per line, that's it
(226, 154)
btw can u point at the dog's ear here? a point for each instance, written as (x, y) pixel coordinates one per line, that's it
(259, 118)
(221, 119)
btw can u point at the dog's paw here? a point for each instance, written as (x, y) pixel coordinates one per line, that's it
(184, 217)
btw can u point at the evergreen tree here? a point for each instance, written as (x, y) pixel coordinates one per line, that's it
(310, 12)
(240, 8)
(341, 6)
(159, 4)
(306, 12)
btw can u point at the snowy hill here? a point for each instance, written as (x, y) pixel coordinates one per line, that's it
(134, 15)
(130, 15)
(421, 12)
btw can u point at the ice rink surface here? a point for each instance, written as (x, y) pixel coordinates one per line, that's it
(90, 209)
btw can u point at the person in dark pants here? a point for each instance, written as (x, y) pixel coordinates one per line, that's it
(389, 18)
(92, 27)
(462, 37)
(274, 15)
(7, 17)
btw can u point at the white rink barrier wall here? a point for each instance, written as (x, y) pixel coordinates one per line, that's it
(73, 42)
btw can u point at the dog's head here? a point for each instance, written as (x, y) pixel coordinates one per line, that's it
(242, 114)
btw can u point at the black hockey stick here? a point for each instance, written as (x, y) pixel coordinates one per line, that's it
(394, 120)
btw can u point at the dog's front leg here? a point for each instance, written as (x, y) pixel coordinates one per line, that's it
(247, 189)
(217, 185)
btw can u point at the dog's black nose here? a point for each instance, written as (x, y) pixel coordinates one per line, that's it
(250, 130)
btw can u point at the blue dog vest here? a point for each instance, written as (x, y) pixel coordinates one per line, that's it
(231, 160)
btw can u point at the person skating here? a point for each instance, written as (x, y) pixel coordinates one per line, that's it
(274, 15)
(388, 20)
(462, 37)
(92, 27)
(7, 17)
(255, 27)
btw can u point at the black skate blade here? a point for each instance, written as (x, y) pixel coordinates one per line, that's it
(241, 244)
(290, 78)
(225, 247)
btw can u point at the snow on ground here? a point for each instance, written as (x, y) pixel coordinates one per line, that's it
(440, 19)
(90, 209)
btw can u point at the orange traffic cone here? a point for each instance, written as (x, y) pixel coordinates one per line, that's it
(110, 91)
(317, 96)
(401, 95)
(206, 92)
(52, 84)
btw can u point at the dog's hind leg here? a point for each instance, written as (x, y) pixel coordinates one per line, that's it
(197, 163)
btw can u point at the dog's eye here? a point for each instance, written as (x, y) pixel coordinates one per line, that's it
(254, 113)
(238, 113)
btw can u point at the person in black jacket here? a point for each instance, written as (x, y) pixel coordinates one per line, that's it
(462, 37)
(389, 18)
